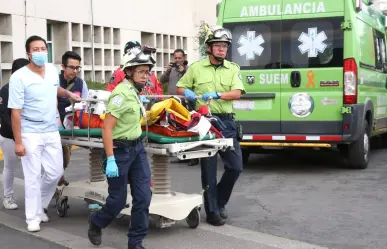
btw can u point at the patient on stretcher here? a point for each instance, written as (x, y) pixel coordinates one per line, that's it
(166, 118)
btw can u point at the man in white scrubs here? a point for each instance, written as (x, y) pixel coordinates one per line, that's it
(33, 92)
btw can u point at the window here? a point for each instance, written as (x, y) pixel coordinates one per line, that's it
(50, 43)
(298, 43)
(380, 50)
(256, 45)
(312, 43)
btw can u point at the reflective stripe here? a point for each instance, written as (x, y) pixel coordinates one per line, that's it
(291, 138)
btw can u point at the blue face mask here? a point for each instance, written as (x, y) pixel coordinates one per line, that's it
(39, 58)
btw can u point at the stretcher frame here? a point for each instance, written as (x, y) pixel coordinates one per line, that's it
(166, 206)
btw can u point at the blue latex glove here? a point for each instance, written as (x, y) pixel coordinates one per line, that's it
(206, 96)
(189, 95)
(60, 128)
(144, 99)
(111, 167)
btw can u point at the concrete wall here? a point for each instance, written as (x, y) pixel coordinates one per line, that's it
(166, 24)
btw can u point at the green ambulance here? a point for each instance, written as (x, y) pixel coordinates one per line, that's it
(315, 73)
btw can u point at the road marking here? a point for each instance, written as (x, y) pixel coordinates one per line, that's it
(226, 230)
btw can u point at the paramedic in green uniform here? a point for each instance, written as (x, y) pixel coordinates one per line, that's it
(127, 160)
(218, 79)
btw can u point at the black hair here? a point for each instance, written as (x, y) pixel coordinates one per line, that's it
(32, 39)
(179, 50)
(70, 55)
(19, 63)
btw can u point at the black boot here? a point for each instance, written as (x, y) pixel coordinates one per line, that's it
(135, 247)
(94, 233)
(223, 213)
(215, 220)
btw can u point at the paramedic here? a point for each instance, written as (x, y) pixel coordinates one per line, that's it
(220, 80)
(118, 75)
(33, 90)
(69, 80)
(6, 141)
(128, 161)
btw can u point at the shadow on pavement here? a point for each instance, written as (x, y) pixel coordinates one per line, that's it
(296, 160)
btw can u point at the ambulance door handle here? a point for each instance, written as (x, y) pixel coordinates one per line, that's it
(295, 79)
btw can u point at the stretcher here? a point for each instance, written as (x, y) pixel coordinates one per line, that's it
(166, 206)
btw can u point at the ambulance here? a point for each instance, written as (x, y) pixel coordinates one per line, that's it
(315, 74)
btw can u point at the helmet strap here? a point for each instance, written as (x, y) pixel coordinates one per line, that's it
(137, 85)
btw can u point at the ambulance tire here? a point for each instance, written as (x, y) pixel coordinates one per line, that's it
(383, 141)
(359, 151)
(245, 156)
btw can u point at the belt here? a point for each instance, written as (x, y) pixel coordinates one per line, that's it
(122, 143)
(224, 116)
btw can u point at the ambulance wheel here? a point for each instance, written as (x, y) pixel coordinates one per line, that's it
(62, 207)
(193, 219)
(245, 156)
(359, 151)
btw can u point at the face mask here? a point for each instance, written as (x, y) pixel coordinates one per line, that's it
(39, 58)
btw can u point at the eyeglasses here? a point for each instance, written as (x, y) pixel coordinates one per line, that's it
(78, 68)
(142, 72)
(221, 45)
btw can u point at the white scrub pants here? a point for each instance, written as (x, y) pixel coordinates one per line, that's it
(43, 149)
(10, 163)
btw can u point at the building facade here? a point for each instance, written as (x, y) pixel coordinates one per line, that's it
(381, 4)
(98, 30)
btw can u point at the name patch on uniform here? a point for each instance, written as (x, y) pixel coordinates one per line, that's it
(117, 101)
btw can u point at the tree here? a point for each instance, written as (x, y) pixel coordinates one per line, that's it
(201, 35)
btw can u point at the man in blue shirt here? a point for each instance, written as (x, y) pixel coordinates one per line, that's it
(33, 92)
(6, 141)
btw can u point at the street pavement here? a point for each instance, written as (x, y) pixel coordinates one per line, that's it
(296, 199)
(14, 239)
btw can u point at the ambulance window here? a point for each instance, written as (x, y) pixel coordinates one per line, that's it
(312, 43)
(255, 45)
(380, 50)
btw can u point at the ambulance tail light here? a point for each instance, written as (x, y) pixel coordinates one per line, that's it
(350, 81)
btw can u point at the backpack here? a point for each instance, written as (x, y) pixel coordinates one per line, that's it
(5, 113)
(115, 79)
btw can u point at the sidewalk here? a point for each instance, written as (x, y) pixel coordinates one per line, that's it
(13, 239)
(71, 232)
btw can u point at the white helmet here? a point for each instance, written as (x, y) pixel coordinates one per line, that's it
(138, 57)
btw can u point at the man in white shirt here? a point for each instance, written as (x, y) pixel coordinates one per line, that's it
(33, 92)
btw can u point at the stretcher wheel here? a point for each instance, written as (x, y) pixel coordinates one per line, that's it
(193, 219)
(62, 207)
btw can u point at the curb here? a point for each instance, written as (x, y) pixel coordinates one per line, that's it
(52, 235)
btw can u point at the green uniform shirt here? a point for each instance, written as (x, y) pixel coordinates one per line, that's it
(124, 106)
(202, 77)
